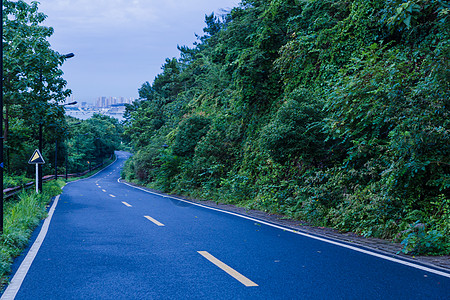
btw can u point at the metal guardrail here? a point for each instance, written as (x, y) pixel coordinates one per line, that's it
(9, 192)
(14, 190)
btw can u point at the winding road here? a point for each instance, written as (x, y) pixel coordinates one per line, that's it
(109, 240)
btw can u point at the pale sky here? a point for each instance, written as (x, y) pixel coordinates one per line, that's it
(120, 44)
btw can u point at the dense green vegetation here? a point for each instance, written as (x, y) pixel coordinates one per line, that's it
(89, 142)
(335, 112)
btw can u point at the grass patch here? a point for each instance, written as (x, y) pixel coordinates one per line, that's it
(22, 214)
(13, 181)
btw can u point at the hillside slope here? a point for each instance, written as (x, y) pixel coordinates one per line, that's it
(333, 112)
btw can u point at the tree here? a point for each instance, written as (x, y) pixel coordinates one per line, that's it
(92, 141)
(32, 80)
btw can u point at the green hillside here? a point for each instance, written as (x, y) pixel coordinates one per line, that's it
(330, 111)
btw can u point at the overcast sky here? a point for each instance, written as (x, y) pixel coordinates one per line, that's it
(120, 44)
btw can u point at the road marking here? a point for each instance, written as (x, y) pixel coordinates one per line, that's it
(126, 204)
(154, 221)
(16, 282)
(323, 239)
(230, 271)
(112, 196)
(104, 191)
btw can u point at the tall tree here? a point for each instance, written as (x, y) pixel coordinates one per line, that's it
(32, 80)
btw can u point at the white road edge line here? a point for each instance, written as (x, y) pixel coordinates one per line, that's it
(230, 271)
(154, 221)
(16, 282)
(12, 289)
(382, 256)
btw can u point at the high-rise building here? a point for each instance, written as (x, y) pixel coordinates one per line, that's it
(101, 102)
(104, 102)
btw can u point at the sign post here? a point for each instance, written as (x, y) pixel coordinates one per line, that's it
(37, 178)
(37, 160)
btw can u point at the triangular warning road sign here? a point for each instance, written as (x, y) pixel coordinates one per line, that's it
(36, 158)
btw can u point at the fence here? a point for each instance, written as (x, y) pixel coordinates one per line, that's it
(9, 192)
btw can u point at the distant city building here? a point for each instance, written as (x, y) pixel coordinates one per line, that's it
(106, 102)
(109, 106)
(101, 102)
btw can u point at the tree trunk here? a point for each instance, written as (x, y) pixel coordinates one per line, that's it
(6, 123)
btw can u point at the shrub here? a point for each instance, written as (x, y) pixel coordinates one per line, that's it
(190, 132)
(295, 131)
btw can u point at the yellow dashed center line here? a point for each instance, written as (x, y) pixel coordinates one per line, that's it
(126, 204)
(154, 221)
(230, 271)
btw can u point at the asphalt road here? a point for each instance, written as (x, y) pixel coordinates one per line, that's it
(108, 240)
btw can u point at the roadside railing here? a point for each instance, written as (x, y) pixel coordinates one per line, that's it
(9, 192)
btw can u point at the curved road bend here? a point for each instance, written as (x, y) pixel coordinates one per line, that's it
(108, 240)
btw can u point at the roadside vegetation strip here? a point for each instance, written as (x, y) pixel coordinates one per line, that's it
(16, 282)
(323, 239)
(230, 271)
(21, 216)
